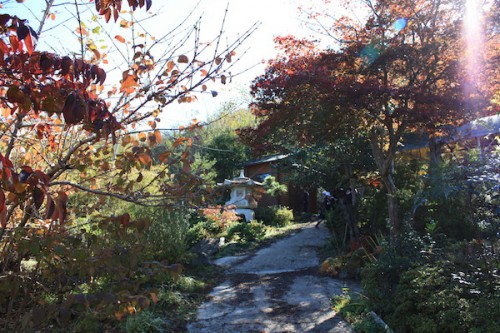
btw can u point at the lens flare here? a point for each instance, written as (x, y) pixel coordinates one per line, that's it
(399, 25)
(473, 35)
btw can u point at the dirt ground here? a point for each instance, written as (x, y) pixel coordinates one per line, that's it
(278, 289)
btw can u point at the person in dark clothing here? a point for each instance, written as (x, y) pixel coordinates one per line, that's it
(306, 201)
(326, 205)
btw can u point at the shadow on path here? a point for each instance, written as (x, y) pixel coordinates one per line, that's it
(276, 290)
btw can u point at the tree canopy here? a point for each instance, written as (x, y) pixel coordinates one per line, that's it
(402, 70)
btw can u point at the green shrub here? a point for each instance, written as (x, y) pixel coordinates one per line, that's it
(246, 231)
(146, 322)
(275, 216)
(201, 230)
(381, 277)
(283, 217)
(452, 289)
(87, 324)
(336, 223)
(426, 301)
(355, 310)
(265, 214)
(273, 187)
(167, 234)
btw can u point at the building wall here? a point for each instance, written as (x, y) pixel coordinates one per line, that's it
(294, 198)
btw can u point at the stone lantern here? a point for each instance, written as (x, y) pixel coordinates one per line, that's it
(242, 190)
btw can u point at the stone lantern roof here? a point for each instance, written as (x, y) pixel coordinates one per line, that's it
(241, 180)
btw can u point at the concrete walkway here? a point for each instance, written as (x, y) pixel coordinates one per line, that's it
(276, 290)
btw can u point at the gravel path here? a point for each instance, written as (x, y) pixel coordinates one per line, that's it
(278, 289)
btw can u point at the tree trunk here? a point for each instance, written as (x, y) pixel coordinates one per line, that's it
(385, 164)
(392, 204)
(434, 161)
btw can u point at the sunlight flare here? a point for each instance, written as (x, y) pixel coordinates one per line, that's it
(473, 34)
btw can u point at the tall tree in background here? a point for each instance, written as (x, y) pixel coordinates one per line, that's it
(401, 70)
(219, 141)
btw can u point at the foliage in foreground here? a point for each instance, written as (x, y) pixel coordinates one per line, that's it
(70, 259)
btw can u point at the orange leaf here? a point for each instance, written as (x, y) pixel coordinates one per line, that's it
(179, 141)
(126, 140)
(154, 297)
(61, 204)
(28, 41)
(120, 39)
(163, 157)
(170, 65)
(158, 136)
(145, 159)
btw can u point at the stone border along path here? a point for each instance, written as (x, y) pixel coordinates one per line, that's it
(278, 289)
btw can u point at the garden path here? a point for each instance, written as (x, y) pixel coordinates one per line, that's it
(278, 289)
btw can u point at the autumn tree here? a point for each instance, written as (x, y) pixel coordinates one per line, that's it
(64, 130)
(401, 70)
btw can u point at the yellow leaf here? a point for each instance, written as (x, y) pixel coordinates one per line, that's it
(124, 23)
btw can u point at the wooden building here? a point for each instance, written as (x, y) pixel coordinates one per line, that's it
(297, 198)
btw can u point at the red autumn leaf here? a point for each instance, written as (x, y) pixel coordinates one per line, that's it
(101, 76)
(73, 110)
(183, 59)
(125, 219)
(3, 210)
(4, 18)
(22, 30)
(139, 178)
(28, 42)
(66, 64)
(61, 207)
(42, 177)
(14, 43)
(50, 208)
(38, 197)
(107, 14)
